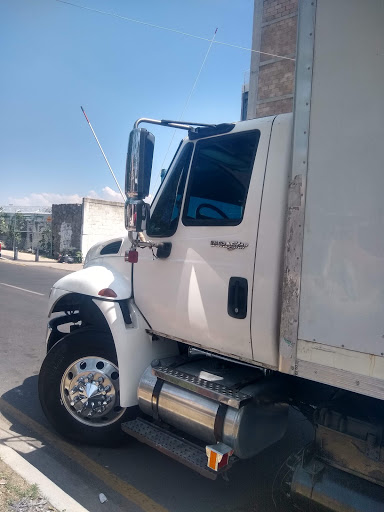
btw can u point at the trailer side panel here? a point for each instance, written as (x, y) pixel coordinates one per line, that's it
(341, 295)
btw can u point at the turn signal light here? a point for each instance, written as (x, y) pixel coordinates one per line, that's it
(107, 292)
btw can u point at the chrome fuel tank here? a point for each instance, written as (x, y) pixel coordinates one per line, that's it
(247, 430)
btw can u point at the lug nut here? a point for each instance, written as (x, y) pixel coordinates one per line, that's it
(100, 379)
(75, 400)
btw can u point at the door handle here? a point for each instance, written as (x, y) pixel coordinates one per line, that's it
(237, 297)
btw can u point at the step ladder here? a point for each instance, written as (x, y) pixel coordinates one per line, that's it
(191, 455)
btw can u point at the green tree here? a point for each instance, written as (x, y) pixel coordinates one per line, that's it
(3, 224)
(16, 231)
(45, 243)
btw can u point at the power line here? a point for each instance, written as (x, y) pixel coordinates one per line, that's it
(153, 25)
(186, 104)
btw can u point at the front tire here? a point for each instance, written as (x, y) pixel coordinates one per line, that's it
(79, 389)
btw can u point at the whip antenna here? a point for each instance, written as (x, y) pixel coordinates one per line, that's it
(105, 158)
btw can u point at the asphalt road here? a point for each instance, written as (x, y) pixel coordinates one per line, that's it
(133, 477)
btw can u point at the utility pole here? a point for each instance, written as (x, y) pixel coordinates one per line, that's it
(14, 237)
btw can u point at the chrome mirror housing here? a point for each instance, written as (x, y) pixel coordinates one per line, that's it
(138, 178)
(139, 163)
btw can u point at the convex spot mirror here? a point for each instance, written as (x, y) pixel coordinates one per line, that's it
(136, 215)
(139, 164)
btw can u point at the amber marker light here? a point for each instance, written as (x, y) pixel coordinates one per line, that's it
(107, 292)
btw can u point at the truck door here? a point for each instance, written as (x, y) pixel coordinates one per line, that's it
(208, 208)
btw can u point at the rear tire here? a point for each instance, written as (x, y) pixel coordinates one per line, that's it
(79, 389)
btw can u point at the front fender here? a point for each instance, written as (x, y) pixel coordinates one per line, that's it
(135, 348)
(91, 280)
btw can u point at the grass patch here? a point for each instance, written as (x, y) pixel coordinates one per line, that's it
(17, 495)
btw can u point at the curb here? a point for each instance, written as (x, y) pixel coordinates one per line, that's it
(43, 264)
(56, 496)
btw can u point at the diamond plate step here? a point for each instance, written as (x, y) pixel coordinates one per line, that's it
(176, 447)
(212, 390)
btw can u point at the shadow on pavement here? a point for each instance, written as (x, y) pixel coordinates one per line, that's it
(175, 487)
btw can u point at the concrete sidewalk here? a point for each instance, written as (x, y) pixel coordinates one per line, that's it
(14, 452)
(28, 259)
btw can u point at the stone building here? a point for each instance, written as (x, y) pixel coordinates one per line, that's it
(67, 220)
(272, 73)
(26, 227)
(76, 227)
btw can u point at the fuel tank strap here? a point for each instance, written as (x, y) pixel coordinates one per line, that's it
(155, 398)
(219, 422)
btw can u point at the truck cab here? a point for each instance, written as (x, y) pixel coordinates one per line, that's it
(222, 208)
(204, 275)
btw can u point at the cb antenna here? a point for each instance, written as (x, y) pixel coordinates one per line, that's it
(105, 158)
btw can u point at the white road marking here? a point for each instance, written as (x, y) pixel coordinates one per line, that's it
(23, 289)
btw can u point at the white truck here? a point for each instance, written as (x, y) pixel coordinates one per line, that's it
(254, 282)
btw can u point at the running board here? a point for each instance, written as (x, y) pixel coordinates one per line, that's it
(217, 392)
(177, 448)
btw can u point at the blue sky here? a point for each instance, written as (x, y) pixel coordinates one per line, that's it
(55, 57)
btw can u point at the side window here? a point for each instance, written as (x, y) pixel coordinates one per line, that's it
(219, 180)
(165, 216)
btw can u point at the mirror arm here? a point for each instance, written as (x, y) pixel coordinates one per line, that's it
(142, 242)
(171, 124)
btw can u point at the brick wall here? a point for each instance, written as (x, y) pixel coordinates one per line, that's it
(274, 9)
(101, 220)
(275, 26)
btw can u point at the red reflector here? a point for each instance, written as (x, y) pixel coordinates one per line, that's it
(131, 256)
(107, 292)
(218, 455)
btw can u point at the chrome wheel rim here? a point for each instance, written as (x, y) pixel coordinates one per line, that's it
(89, 391)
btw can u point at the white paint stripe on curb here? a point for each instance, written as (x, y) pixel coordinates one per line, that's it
(56, 496)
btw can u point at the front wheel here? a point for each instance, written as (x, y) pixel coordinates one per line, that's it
(79, 388)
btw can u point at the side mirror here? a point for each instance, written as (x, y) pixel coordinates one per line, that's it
(139, 164)
(138, 178)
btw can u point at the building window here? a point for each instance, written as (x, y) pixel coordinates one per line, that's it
(244, 106)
